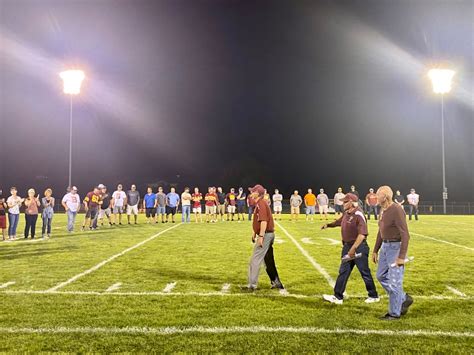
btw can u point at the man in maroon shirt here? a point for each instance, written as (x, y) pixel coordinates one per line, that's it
(354, 234)
(263, 236)
(372, 204)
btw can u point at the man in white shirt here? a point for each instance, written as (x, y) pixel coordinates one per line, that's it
(413, 200)
(72, 204)
(338, 203)
(119, 199)
(186, 206)
(277, 204)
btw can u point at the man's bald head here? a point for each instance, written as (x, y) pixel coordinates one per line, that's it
(384, 195)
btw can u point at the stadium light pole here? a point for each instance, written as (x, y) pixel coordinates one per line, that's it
(72, 80)
(441, 79)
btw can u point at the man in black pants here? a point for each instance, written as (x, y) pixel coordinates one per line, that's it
(354, 233)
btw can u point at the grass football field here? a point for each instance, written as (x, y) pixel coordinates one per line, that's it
(172, 288)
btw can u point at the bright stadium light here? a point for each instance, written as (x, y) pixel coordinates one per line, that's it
(72, 80)
(441, 79)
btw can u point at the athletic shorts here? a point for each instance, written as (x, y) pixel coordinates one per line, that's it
(211, 209)
(240, 208)
(171, 210)
(132, 210)
(295, 210)
(105, 212)
(310, 209)
(92, 213)
(3, 222)
(197, 209)
(150, 212)
(231, 209)
(161, 210)
(220, 209)
(118, 209)
(277, 208)
(339, 208)
(323, 209)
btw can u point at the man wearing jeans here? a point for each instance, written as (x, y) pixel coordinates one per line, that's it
(354, 234)
(186, 206)
(263, 237)
(71, 203)
(392, 241)
(413, 200)
(371, 202)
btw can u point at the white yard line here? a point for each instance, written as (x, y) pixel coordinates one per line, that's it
(106, 261)
(442, 241)
(456, 291)
(333, 241)
(208, 294)
(233, 330)
(318, 267)
(169, 287)
(6, 284)
(225, 288)
(114, 287)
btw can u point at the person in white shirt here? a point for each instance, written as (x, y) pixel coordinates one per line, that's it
(413, 200)
(119, 199)
(277, 204)
(72, 204)
(338, 203)
(323, 203)
(186, 206)
(13, 202)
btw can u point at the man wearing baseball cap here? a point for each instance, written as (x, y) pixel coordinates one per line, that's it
(354, 234)
(263, 236)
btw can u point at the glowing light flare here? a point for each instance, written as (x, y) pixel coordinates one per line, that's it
(441, 79)
(72, 80)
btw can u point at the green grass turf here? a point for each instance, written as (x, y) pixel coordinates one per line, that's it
(201, 258)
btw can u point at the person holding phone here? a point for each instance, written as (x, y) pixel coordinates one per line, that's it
(354, 234)
(48, 211)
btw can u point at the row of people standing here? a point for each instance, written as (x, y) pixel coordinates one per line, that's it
(33, 205)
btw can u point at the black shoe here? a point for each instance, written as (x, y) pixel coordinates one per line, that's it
(277, 284)
(405, 305)
(388, 316)
(246, 289)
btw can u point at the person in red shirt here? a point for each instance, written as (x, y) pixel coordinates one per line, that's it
(372, 204)
(211, 205)
(196, 197)
(250, 204)
(263, 236)
(231, 199)
(354, 234)
(92, 202)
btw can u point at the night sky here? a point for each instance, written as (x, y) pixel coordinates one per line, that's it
(289, 94)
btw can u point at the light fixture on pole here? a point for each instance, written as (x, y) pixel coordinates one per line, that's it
(441, 79)
(72, 80)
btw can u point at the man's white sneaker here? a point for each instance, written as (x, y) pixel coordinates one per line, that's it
(372, 299)
(332, 299)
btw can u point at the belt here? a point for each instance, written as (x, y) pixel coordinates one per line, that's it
(391, 241)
